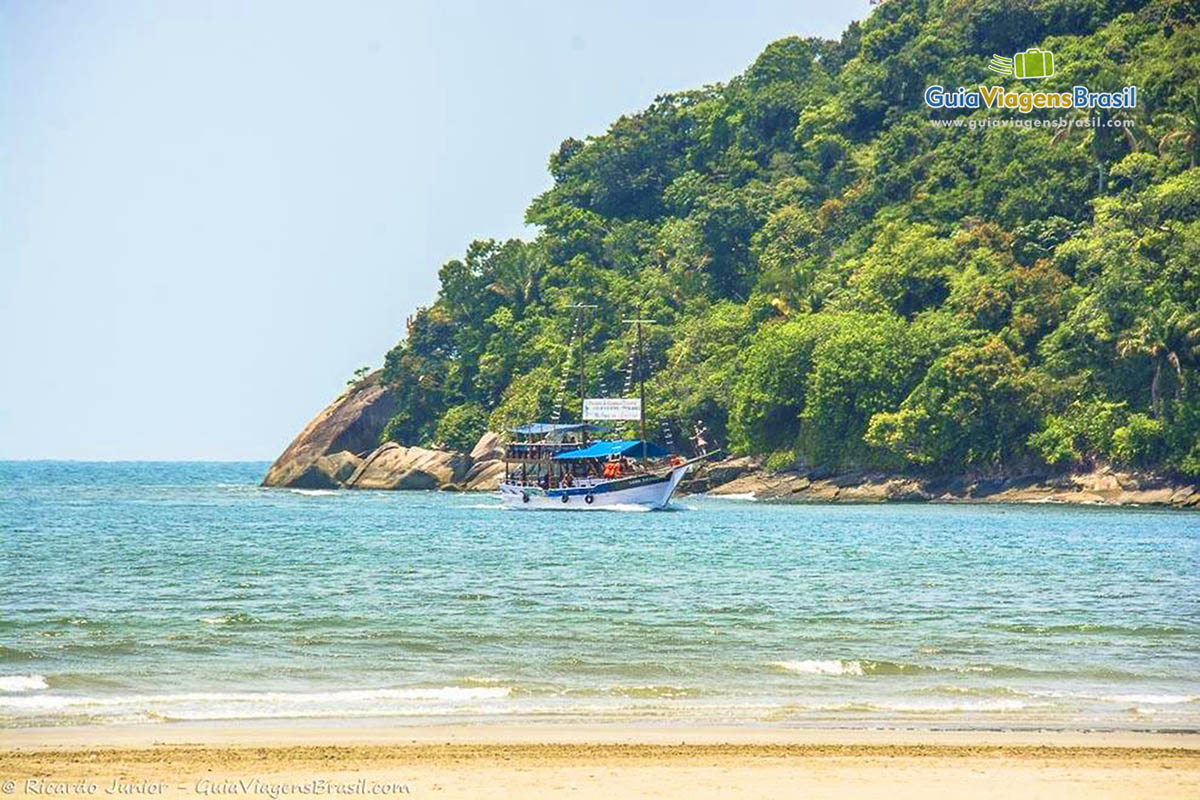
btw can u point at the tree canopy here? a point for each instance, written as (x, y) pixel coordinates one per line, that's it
(838, 282)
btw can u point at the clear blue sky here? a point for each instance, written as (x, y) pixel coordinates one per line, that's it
(212, 212)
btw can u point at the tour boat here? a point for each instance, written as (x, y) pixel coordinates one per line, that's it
(552, 467)
(549, 465)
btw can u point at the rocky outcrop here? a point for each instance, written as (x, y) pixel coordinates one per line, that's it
(487, 464)
(1100, 487)
(328, 472)
(352, 424)
(339, 449)
(719, 473)
(393, 466)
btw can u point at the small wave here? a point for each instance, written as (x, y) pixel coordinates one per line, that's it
(12, 654)
(813, 667)
(969, 691)
(949, 706)
(314, 492)
(1091, 628)
(1152, 699)
(253, 704)
(861, 667)
(239, 618)
(646, 692)
(22, 683)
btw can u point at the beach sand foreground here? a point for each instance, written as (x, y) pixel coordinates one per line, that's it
(502, 761)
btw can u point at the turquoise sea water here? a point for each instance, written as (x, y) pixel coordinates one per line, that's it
(150, 591)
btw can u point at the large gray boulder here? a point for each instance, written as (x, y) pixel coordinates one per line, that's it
(351, 423)
(487, 464)
(393, 466)
(328, 472)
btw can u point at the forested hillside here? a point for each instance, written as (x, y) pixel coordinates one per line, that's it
(839, 282)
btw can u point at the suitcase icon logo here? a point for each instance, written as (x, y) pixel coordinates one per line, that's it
(1033, 63)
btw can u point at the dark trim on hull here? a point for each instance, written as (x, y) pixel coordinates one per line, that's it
(614, 486)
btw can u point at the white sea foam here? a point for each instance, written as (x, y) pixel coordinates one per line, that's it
(22, 683)
(747, 496)
(815, 667)
(218, 705)
(1152, 699)
(934, 706)
(314, 492)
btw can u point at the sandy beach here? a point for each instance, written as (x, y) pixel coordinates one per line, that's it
(378, 758)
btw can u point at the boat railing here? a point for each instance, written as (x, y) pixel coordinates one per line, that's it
(537, 451)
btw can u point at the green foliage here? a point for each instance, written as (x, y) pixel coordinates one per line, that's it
(866, 365)
(839, 283)
(1140, 442)
(773, 380)
(973, 407)
(906, 270)
(1081, 434)
(461, 426)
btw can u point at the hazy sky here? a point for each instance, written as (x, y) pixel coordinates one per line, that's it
(212, 212)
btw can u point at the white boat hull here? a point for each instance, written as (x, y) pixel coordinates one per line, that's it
(648, 492)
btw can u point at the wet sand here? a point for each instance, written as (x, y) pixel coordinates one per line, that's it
(382, 759)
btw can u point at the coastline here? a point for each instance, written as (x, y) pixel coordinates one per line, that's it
(1104, 486)
(340, 449)
(600, 760)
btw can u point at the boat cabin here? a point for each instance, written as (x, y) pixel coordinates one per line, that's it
(554, 456)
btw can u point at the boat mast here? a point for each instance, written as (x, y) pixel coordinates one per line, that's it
(582, 371)
(641, 391)
(641, 377)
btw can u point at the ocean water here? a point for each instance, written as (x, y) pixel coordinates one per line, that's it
(168, 591)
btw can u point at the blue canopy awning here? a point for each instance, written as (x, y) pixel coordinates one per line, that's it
(630, 448)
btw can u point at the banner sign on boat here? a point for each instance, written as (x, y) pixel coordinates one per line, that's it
(612, 408)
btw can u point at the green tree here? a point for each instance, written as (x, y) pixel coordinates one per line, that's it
(460, 427)
(975, 406)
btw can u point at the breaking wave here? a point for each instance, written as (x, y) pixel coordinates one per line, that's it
(22, 683)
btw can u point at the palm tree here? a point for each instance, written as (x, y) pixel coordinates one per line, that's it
(515, 273)
(1166, 335)
(1187, 128)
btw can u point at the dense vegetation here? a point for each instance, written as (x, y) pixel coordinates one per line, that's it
(840, 283)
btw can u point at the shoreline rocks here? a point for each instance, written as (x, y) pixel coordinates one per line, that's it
(339, 449)
(1104, 486)
(393, 466)
(350, 424)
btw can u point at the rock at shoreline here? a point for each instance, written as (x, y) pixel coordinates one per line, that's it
(351, 423)
(339, 449)
(487, 464)
(328, 472)
(1103, 486)
(393, 466)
